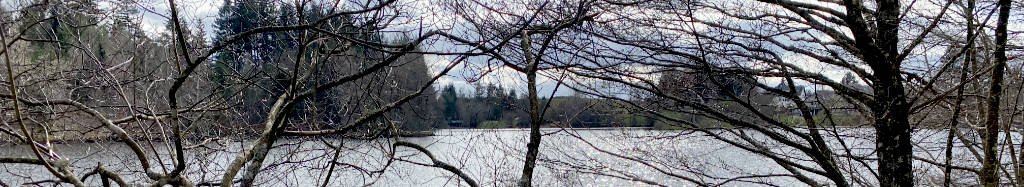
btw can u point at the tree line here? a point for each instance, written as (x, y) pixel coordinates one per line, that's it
(494, 106)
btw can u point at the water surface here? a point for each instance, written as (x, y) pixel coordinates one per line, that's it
(569, 157)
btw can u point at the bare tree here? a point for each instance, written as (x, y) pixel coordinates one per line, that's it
(797, 43)
(320, 39)
(844, 93)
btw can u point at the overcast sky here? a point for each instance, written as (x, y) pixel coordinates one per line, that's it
(155, 14)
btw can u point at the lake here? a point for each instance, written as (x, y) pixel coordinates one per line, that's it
(569, 157)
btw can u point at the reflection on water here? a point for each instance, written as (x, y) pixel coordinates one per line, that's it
(607, 157)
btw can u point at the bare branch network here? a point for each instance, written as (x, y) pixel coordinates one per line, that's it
(502, 93)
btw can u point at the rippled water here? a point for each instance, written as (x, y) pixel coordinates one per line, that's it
(491, 157)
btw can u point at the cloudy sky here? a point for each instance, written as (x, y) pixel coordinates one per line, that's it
(460, 77)
(154, 15)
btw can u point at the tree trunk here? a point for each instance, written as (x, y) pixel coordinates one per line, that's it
(892, 129)
(533, 147)
(954, 122)
(990, 166)
(258, 151)
(890, 107)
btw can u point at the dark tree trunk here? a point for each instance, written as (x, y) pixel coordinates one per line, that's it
(879, 49)
(990, 166)
(957, 108)
(892, 130)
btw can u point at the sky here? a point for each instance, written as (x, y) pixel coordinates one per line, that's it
(154, 15)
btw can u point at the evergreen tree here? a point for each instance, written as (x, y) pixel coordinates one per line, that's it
(450, 101)
(249, 56)
(237, 16)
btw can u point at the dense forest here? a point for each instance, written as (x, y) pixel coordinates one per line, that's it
(511, 93)
(491, 106)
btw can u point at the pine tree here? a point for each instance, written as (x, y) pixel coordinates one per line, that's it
(450, 99)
